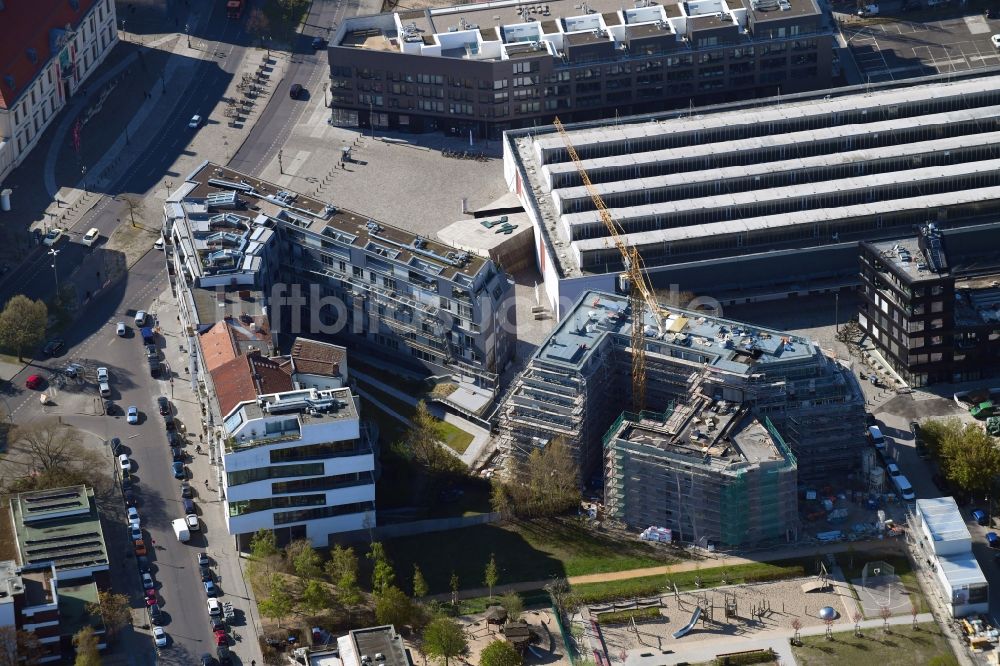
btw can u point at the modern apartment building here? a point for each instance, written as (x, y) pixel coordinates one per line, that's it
(47, 50)
(299, 463)
(930, 303)
(579, 381)
(716, 476)
(315, 269)
(62, 564)
(481, 69)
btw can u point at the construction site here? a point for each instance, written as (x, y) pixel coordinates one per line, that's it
(702, 377)
(694, 473)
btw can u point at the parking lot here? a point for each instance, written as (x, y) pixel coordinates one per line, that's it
(894, 46)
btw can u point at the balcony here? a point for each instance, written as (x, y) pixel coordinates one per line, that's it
(242, 443)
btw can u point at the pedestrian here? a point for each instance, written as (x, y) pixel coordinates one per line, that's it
(206, 483)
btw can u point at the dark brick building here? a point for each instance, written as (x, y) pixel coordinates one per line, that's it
(484, 69)
(931, 304)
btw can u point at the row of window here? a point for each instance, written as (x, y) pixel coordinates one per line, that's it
(244, 507)
(276, 472)
(316, 451)
(322, 483)
(302, 515)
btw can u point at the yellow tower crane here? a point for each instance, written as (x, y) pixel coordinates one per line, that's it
(641, 295)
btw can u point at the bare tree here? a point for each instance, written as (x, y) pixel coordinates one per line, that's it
(885, 613)
(796, 627)
(857, 617)
(829, 628)
(135, 204)
(914, 611)
(114, 610)
(258, 24)
(47, 454)
(18, 648)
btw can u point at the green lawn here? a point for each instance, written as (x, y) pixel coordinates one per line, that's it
(524, 551)
(905, 646)
(646, 586)
(900, 565)
(451, 436)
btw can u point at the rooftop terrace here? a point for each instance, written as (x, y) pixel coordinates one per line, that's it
(309, 406)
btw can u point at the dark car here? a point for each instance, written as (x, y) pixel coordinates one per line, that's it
(155, 614)
(318, 43)
(176, 454)
(129, 498)
(203, 559)
(152, 353)
(218, 624)
(208, 660)
(53, 347)
(126, 481)
(116, 446)
(296, 91)
(169, 423)
(173, 439)
(205, 573)
(155, 369)
(186, 489)
(109, 407)
(980, 517)
(178, 470)
(188, 505)
(142, 562)
(163, 405)
(870, 420)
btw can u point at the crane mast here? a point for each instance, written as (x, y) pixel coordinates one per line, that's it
(641, 295)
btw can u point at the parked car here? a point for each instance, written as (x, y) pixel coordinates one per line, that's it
(210, 588)
(133, 415)
(205, 573)
(980, 517)
(140, 547)
(173, 439)
(296, 91)
(208, 660)
(169, 424)
(124, 463)
(221, 639)
(993, 540)
(103, 376)
(132, 514)
(188, 505)
(195, 122)
(53, 347)
(126, 481)
(105, 389)
(893, 469)
(158, 244)
(152, 353)
(203, 559)
(116, 446)
(74, 370)
(318, 43)
(142, 562)
(160, 636)
(995, 39)
(214, 607)
(155, 614)
(192, 522)
(121, 330)
(178, 469)
(186, 489)
(147, 581)
(140, 318)
(129, 498)
(135, 532)
(163, 405)
(150, 598)
(176, 454)
(34, 382)
(53, 236)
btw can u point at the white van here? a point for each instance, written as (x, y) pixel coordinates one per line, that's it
(181, 530)
(903, 487)
(876, 437)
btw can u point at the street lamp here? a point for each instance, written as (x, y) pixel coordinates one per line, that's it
(83, 172)
(54, 253)
(124, 35)
(187, 31)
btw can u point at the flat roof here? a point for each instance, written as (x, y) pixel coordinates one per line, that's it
(63, 527)
(653, 170)
(962, 570)
(381, 640)
(704, 340)
(943, 519)
(345, 226)
(73, 600)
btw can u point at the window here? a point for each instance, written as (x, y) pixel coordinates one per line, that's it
(937, 306)
(937, 290)
(937, 323)
(277, 472)
(936, 339)
(321, 483)
(325, 512)
(252, 506)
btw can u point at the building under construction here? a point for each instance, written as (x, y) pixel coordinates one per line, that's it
(696, 471)
(579, 381)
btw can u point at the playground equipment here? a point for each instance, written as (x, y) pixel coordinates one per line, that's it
(732, 608)
(680, 633)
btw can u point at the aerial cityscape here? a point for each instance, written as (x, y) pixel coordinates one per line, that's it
(576, 333)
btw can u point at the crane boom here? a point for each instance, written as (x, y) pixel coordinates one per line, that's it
(640, 292)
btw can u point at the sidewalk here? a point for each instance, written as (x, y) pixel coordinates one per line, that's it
(222, 547)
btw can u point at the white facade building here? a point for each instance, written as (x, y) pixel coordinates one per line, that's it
(48, 48)
(299, 463)
(947, 545)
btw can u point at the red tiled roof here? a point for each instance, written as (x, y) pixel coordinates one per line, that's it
(317, 358)
(246, 377)
(28, 24)
(217, 346)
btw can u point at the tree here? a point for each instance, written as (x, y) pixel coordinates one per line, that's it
(453, 584)
(444, 639)
(18, 648)
(279, 604)
(258, 24)
(263, 544)
(305, 561)
(114, 610)
(423, 442)
(85, 642)
(315, 596)
(829, 628)
(48, 455)
(22, 324)
(419, 584)
(491, 576)
(969, 456)
(885, 613)
(136, 206)
(545, 485)
(392, 606)
(382, 573)
(513, 604)
(857, 617)
(342, 568)
(499, 653)
(796, 627)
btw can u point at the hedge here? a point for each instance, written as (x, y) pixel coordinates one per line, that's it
(626, 616)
